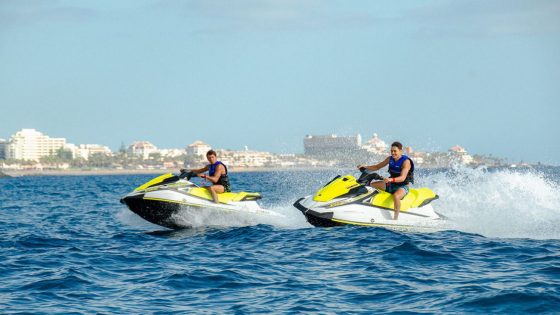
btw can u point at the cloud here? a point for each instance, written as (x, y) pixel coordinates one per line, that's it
(436, 18)
(253, 15)
(487, 18)
(15, 13)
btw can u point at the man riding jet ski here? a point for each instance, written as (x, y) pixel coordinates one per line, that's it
(217, 175)
(345, 200)
(401, 170)
(173, 201)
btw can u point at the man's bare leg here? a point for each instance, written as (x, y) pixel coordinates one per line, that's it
(397, 196)
(215, 190)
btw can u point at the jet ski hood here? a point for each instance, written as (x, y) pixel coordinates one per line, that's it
(343, 185)
(339, 186)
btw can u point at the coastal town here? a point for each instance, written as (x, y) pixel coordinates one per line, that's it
(29, 151)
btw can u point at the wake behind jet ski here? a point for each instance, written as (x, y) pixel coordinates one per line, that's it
(347, 200)
(173, 201)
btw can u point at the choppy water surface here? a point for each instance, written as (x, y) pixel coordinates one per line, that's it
(68, 245)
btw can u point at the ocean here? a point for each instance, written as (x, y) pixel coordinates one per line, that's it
(67, 246)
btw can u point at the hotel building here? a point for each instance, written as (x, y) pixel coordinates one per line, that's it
(331, 143)
(30, 144)
(460, 154)
(197, 148)
(247, 158)
(85, 151)
(376, 145)
(142, 148)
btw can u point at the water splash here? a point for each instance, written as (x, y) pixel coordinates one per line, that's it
(498, 203)
(286, 217)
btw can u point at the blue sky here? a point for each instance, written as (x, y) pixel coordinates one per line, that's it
(264, 73)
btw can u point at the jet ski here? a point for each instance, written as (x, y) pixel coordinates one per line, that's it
(174, 202)
(347, 200)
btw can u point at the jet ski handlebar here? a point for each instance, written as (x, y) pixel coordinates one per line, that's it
(187, 174)
(367, 176)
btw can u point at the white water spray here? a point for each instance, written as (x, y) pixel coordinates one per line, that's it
(502, 203)
(284, 217)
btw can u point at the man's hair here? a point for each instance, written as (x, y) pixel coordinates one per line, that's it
(397, 144)
(211, 152)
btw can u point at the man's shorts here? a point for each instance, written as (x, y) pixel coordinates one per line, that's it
(393, 187)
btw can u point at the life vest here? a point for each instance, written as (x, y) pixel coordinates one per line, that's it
(395, 169)
(224, 179)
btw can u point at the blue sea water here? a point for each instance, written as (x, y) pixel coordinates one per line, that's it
(68, 246)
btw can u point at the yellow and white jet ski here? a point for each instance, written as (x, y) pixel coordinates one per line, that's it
(347, 200)
(173, 200)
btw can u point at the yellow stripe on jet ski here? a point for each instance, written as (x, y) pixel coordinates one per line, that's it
(175, 201)
(225, 197)
(154, 181)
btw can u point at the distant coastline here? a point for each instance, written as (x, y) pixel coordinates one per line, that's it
(29, 152)
(93, 172)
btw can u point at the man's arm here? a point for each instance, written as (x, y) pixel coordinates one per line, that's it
(200, 170)
(376, 166)
(219, 171)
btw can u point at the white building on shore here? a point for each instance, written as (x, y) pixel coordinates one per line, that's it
(3, 144)
(325, 144)
(375, 145)
(171, 153)
(85, 151)
(461, 154)
(142, 149)
(197, 148)
(30, 144)
(247, 158)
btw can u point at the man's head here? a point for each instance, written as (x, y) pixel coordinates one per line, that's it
(211, 156)
(396, 149)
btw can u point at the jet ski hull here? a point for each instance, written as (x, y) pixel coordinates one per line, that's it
(176, 210)
(319, 219)
(176, 203)
(156, 212)
(363, 214)
(347, 200)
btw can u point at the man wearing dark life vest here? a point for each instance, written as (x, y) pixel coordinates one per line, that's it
(401, 170)
(217, 175)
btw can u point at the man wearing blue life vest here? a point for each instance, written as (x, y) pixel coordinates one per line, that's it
(217, 175)
(401, 170)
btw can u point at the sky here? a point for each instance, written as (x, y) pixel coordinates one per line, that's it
(264, 73)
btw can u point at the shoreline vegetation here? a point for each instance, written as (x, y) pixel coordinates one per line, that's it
(93, 172)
